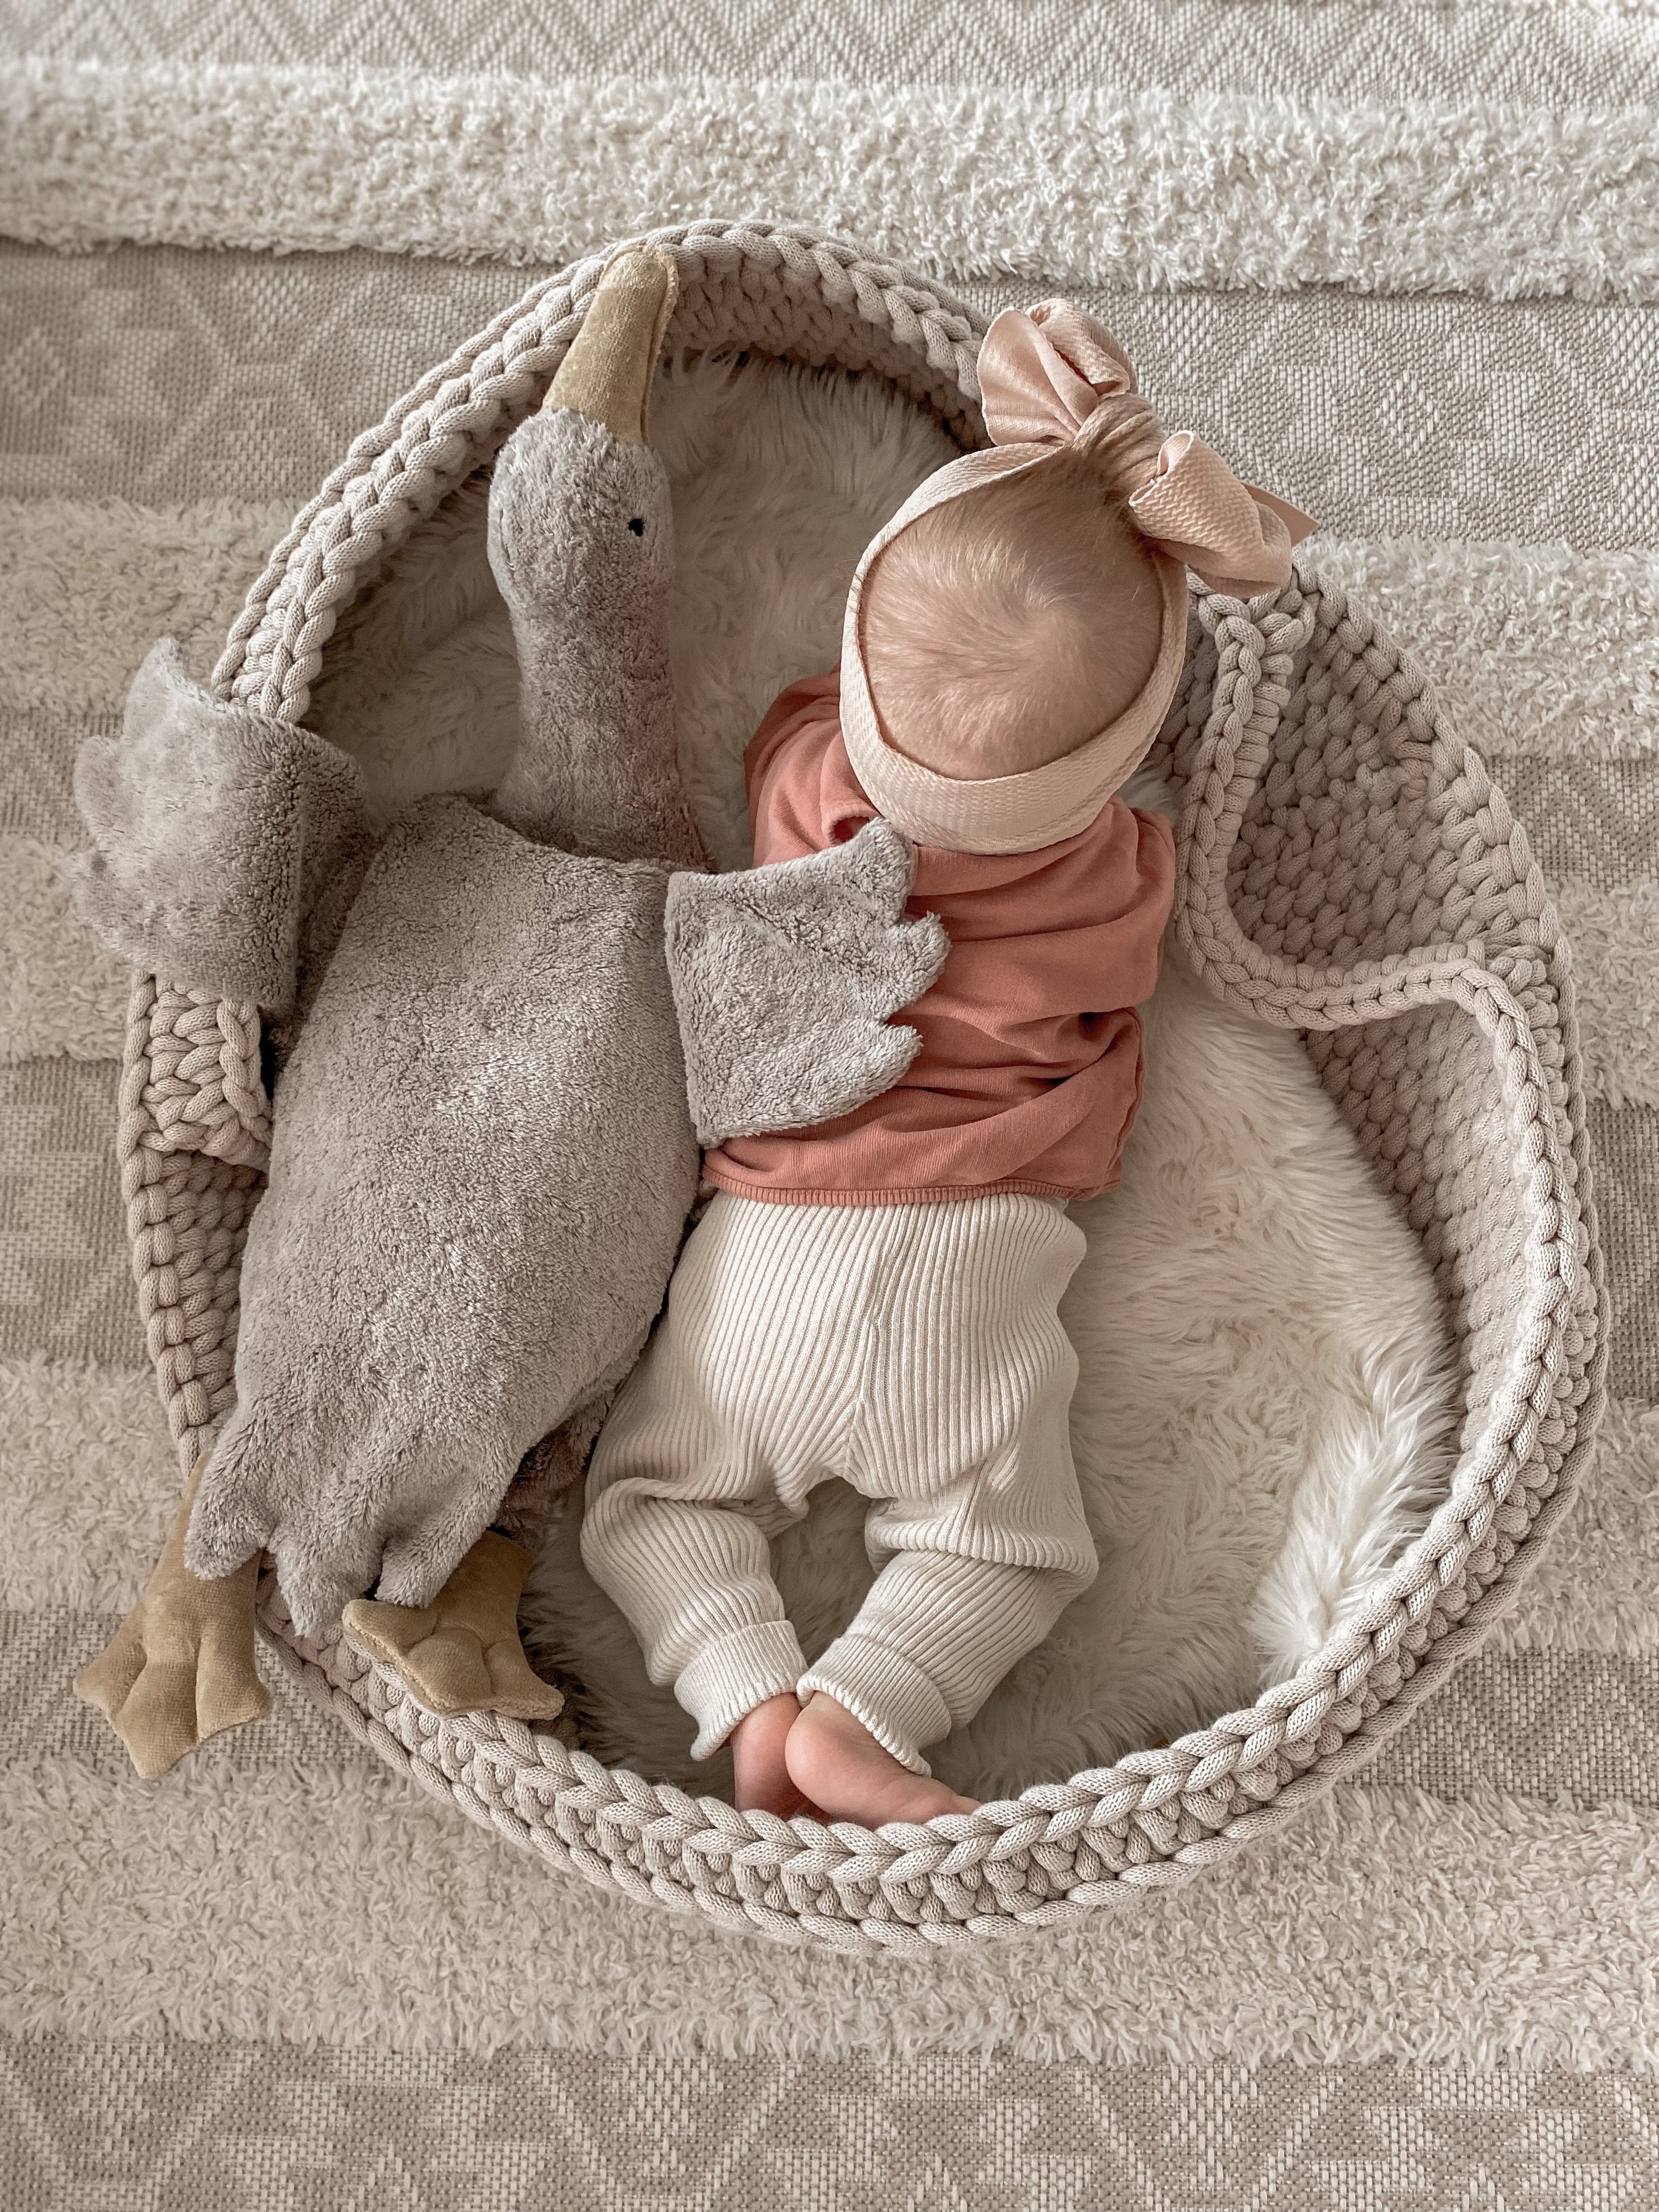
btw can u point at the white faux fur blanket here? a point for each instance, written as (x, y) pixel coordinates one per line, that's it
(1267, 1398)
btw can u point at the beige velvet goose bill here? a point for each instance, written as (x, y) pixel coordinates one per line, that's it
(606, 375)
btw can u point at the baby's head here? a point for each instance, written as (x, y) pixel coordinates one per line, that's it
(1004, 628)
(1028, 605)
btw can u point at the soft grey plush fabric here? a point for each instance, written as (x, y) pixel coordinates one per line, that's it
(783, 980)
(582, 540)
(480, 1167)
(225, 844)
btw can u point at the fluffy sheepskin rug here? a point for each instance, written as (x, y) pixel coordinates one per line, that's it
(1267, 1400)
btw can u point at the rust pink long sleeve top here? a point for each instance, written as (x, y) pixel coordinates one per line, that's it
(1029, 1072)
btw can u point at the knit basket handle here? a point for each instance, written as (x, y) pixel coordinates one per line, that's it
(1255, 667)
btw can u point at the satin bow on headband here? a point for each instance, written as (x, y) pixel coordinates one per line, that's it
(1052, 377)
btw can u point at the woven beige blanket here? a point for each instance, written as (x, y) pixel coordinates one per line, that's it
(1399, 261)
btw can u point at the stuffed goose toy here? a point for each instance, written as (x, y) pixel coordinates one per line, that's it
(502, 1036)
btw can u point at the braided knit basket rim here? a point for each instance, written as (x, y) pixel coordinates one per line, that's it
(195, 1129)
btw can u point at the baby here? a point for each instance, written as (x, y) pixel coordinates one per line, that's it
(877, 1297)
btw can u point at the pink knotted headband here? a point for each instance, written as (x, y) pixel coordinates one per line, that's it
(1055, 383)
(1050, 376)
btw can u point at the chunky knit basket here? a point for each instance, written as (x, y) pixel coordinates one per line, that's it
(1347, 869)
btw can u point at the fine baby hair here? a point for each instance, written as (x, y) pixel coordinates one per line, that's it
(1003, 628)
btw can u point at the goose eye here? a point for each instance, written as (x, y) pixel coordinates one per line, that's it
(636, 523)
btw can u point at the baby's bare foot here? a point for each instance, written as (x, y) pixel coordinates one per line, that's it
(757, 1742)
(837, 1762)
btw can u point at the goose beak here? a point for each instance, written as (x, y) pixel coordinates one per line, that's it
(606, 375)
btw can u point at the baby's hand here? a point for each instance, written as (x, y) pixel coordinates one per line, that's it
(786, 979)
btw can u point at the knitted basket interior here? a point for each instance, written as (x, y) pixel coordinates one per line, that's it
(1346, 869)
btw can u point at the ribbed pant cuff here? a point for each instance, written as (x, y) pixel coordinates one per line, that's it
(895, 1700)
(730, 1678)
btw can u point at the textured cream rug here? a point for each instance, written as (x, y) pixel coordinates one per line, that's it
(1401, 261)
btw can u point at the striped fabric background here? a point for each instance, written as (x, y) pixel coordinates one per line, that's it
(1401, 261)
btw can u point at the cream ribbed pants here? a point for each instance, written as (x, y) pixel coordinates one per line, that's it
(916, 1351)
